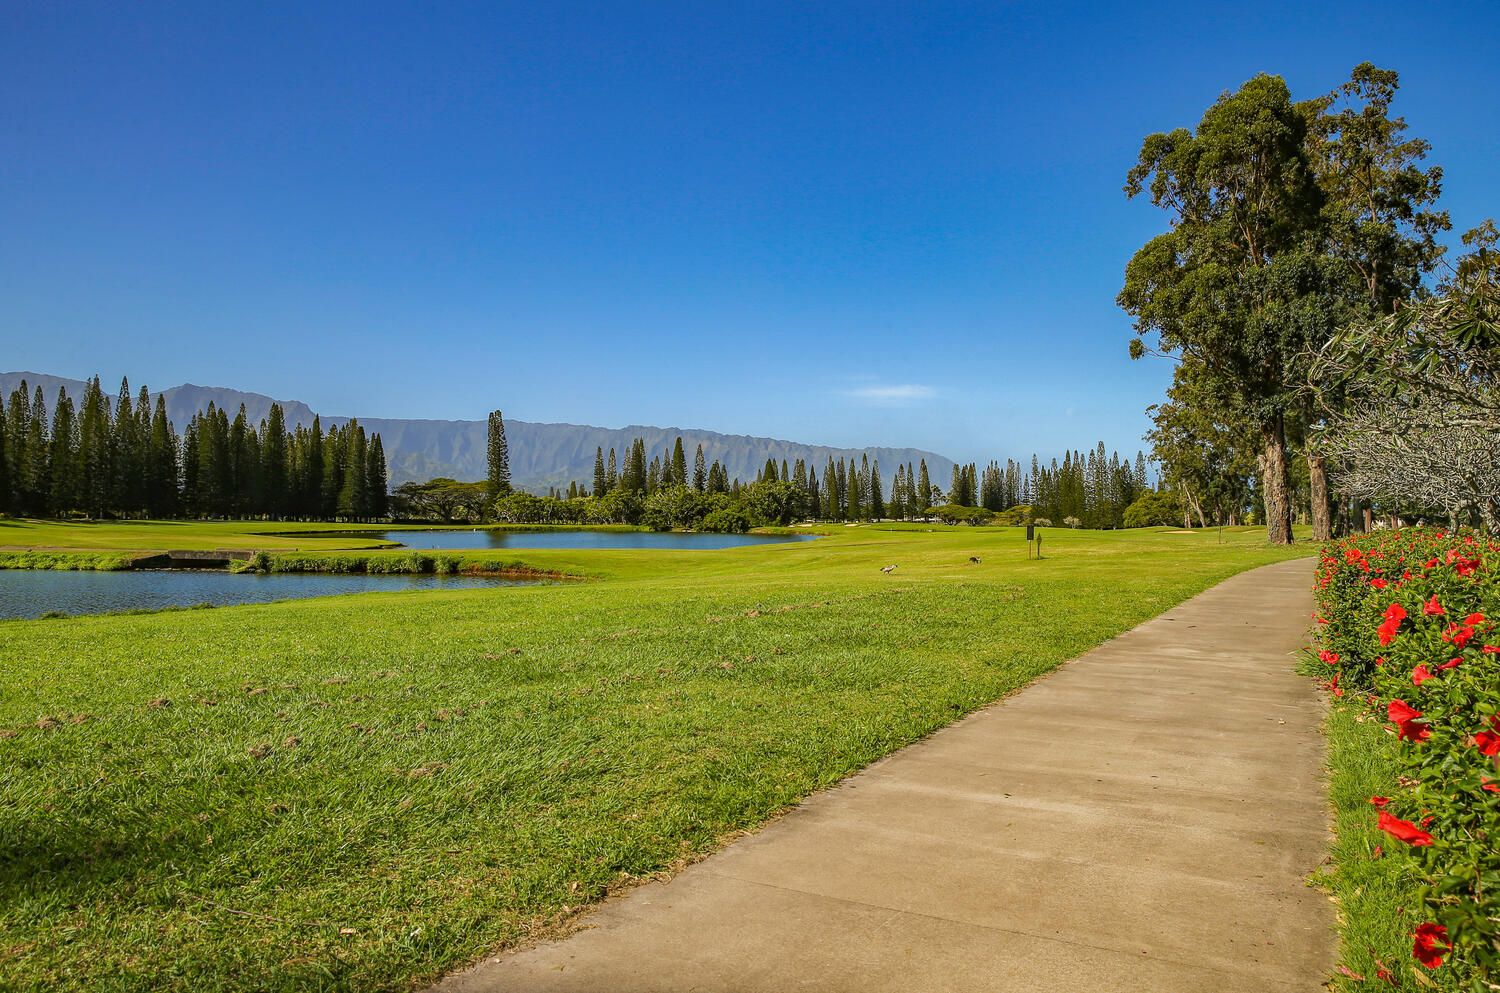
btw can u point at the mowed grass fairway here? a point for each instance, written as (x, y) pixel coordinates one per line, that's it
(142, 536)
(364, 792)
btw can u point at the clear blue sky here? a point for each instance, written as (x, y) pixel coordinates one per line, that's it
(847, 224)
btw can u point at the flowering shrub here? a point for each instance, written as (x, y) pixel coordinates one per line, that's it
(1409, 620)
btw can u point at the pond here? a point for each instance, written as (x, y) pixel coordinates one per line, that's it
(491, 539)
(32, 593)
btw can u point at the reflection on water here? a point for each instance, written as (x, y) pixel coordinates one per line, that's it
(32, 593)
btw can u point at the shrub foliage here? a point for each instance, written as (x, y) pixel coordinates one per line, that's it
(1408, 621)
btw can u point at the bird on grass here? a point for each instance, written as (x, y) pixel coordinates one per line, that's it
(888, 569)
(973, 559)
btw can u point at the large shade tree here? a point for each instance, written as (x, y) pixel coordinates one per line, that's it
(1235, 283)
(1379, 220)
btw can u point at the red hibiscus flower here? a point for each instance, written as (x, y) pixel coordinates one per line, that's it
(1431, 945)
(1488, 742)
(1404, 830)
(1379, 801)
(1474, 619)
(1329, 657)
(1387, 631)
(1420, 675)
(1451, 664)
(1379, 583)
(1458, 636)
(1432, 608)
(1405, 719)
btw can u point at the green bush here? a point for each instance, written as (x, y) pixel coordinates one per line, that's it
(1407, 620)
(726, 520)
(1153, 509)
(951, 513)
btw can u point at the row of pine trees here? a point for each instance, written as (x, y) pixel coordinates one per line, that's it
(1092, 488)
(124, 458)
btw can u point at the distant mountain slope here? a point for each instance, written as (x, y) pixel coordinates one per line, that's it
(541, 455)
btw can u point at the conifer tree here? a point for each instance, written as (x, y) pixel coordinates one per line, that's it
(273, 455)
(161, 463)
(679, 464)
(700, 474)
(5, 499)
(95, 464)
(62, 461)
(814, 497)
(353, 500)
(125, 455)
(842, 506)
(601, 481)
(17, 427)
(312, 494)
(830, 492)
(612, 479)
(924, 488)
(768, 474)
(38, 483)
(497, 481)
(377, 486)
(860, 501)
(877, 501)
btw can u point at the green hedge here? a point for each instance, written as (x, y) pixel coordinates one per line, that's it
(1406, 626)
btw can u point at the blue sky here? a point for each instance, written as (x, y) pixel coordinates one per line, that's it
(894, 224)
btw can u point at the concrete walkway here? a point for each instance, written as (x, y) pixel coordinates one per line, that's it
(1143, 819)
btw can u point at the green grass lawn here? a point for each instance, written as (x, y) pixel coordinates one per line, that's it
(363, 792)
(1371, 889)
(139, 536)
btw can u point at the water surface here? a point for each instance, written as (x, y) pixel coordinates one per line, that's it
(32, 593)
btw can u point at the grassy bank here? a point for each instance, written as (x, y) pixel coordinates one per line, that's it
(1369, 887)
(67, 561)
(363, 792)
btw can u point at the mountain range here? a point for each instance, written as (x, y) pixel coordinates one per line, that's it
(541, 455)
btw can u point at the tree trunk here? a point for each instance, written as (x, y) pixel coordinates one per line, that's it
(1322, 516)
(1489, 512)
(1275, 485)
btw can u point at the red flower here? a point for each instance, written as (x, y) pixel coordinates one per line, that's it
(1329, 657)
(1431, 945)
(1405, 719)
(1398, 711)
(1461, 637)
(1379, 583)
(1451, 664)
(1488, 742)
(1487, 785)
(1380, 801)
(1396, 612)
(1420, 675)
(1404, 830)
(1432, 608)
(1387, 632)
(1474, 619)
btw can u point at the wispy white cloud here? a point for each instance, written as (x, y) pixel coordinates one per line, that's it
(893, 394)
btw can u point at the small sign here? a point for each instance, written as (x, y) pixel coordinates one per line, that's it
(1031, 532)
